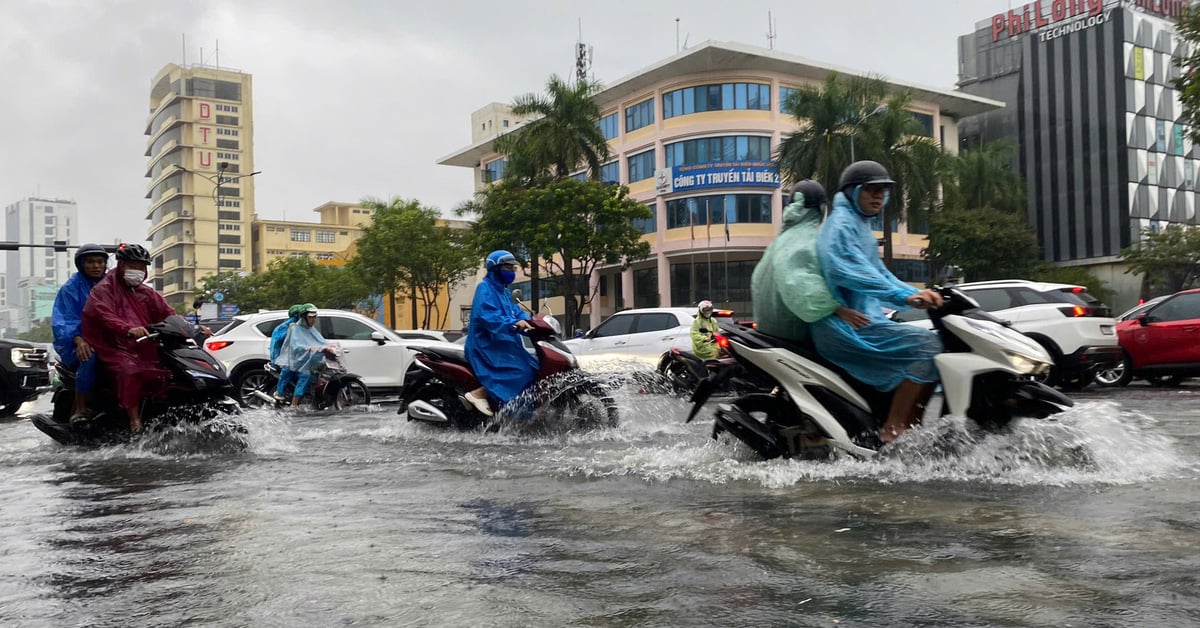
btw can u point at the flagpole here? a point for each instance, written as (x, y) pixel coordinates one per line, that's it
(692, 252)
(708, 251)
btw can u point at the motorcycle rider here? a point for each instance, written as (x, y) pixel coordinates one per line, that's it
(884, 354)
(303, 352)
(704, 343)
(74, 352)
(277, 336)
(120, 307)
(494, 346)
(787, 287)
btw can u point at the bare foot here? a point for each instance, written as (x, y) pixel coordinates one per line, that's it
(889, 434)
(135, 426)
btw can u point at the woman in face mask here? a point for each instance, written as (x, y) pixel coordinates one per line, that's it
(116, 315)
(494, 346)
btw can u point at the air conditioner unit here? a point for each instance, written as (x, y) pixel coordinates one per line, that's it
(185, 212)
(187, 232)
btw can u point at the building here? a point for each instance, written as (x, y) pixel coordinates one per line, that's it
(33, 274)
(200, 155)
(1103, 151)
(693, 136)
(328, 242)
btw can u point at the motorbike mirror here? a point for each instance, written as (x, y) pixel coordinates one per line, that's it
(1143, 319)
(517, 294)
(196, 304)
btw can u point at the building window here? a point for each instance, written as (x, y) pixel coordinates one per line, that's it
(299, 254)
(717, 149)
(717, 209)
(504, 123)
(493, 171)
(718, 97)
(647, 225)
(639, 115)
(228, 144)
(228, 191)
(926, 122)
(226, 226)
(226, 250)
(276, 252)
(610, 172)
(227, 132)
(326, 257)
(230, 120)
(326, 237)
(784, 94)
(228, 156)
(301, 235)
(641, 166)
(608, 126)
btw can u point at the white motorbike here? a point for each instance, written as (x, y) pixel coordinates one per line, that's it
(815, 408)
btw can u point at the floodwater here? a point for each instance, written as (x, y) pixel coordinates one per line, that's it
(364, 519)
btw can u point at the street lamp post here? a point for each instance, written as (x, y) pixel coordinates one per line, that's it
(218, 181)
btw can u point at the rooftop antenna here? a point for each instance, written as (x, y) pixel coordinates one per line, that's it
(183, 47)
(218, 53)
(770, 31)
(676, 34)
(583, 57)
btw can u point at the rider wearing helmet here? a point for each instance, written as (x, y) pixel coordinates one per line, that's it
(117, 313)
(303, 352)
(704, 343)
(787, 287)
(277, 336)
(887, 355)
(91, 260)
(494, 346)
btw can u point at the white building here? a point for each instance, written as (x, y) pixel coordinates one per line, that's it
(34, 273)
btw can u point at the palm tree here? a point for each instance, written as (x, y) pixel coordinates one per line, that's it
(983, 177)
(564, 135)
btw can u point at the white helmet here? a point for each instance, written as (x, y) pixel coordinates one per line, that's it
(705, 308)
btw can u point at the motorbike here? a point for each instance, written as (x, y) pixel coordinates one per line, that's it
(814, 408)
(193, 388)
(683, 370)
(332, 386)
(436, 384)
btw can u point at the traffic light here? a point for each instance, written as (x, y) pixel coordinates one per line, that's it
(60, 246)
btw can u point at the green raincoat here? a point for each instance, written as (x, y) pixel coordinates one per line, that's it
(788, 288)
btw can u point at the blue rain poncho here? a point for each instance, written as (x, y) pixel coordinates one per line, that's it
(302, 349)
(277, 337)
(494, 347)
(788, 288)
(66, 320)
(883, 353)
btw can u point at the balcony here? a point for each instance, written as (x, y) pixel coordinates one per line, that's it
(166, 101)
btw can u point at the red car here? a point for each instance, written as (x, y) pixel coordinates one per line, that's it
(1161, 342)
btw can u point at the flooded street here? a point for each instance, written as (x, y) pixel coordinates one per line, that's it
(365, 519)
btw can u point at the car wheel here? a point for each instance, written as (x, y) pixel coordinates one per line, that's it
(1053, 375)
(1165, 381)
(252, 380)
(1119, 375)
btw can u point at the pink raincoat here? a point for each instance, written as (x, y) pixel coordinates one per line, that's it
(112, 309)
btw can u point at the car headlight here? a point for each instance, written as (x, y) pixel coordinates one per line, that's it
(1026, 365)
(17, 356)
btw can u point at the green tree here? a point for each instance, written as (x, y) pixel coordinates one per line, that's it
(574, 225)
(986, 243)
(406, 250)
(40, 332)
(1187, 83)
(1075, 275)
(1169, 259)
(244, 290)
(287, 281)
(983, 177)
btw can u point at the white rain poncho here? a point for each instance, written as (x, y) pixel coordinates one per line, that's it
(302, 349)
(787, 286)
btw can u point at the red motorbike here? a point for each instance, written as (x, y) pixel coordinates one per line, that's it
(436, 385)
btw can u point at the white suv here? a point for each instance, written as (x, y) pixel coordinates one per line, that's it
(370, 350)
(1075, 327)
(645, 333)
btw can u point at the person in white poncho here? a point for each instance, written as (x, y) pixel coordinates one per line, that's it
(303, 352)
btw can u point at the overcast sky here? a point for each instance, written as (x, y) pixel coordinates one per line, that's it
(357, 98)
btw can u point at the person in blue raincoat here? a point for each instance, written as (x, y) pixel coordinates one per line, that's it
(787, 287)
(494, 346)
(303, 351)
(887, 355)
(66, 321)
(277, 336)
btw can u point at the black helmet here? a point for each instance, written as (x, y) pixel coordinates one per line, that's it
(133, 253)
(814, 194)
(87, 250)
(864, 173)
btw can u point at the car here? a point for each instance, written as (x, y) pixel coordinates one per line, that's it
(645, 333)
(216, 324)
(1076, 328)
(422, 334)
(370, 350)
(1160, 340)
(24, 374)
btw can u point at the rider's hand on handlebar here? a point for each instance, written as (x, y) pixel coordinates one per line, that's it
(925, 299)
(137, 332)
(523, 325)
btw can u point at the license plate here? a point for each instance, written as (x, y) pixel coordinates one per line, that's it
(1107, 330)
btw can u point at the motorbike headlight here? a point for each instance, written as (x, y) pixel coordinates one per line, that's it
(1026, 365)
(18, 358)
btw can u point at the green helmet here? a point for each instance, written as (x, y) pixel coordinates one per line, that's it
(308, 308)
(295, 310)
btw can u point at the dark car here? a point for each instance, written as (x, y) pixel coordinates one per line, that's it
(26, 374)
(1160, 341)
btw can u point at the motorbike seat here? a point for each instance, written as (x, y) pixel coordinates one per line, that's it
(454, 353)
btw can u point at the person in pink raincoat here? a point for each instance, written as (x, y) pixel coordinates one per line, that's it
(116, 315)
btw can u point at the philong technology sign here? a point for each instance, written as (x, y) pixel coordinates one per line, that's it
(1068, 16)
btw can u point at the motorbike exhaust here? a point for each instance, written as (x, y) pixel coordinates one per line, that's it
(421, 410)
(264, 396)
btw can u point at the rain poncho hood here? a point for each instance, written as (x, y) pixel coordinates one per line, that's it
(67, 318)
(302, 349)
(112, 309)
(884, 352)
(494, 348)
(788, 288)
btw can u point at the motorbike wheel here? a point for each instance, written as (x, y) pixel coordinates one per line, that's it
(352, 393)
(256, 379)
(1165, 381)
(590, 407)
(10, 409)
(1119, 375)
(679, 379)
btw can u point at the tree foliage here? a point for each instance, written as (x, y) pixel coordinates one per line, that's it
(574, 226)
(40, 332)
(1074, 275)
(286, 282)
(406, 250)
(564, 134)
(983, 177)
(1187, 83)
(1169, 259)
(986, 243)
